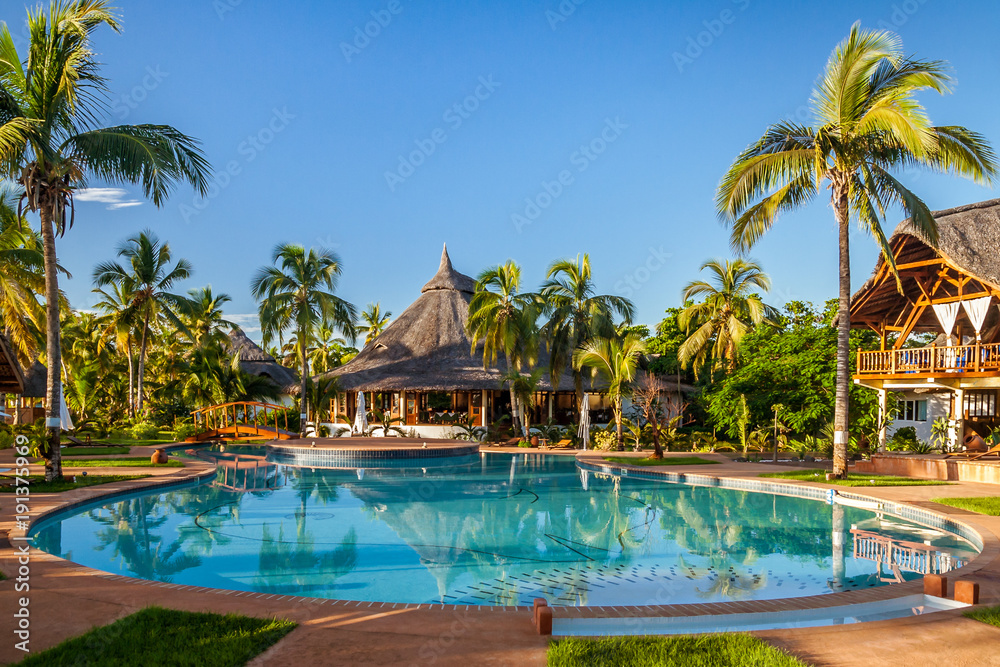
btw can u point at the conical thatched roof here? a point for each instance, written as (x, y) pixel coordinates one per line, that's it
(11, 375)
(968, 240)
(255, 361)
(426, 347)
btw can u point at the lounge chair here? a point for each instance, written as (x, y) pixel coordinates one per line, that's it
(566, 443)
(975, 455)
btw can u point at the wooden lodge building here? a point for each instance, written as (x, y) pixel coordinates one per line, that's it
(422, 369)
(950, 295)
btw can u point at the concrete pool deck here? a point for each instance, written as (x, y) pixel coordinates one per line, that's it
(68, 599)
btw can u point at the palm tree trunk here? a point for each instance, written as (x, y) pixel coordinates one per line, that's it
(514, 421)
(131, 380)
(303, 401)
(142, 367)
(841, 406)
(53, 356)
(618, 423)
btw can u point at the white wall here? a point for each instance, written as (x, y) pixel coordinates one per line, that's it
(938, 405)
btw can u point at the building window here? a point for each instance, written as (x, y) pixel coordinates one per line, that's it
(914, 411)
(981, 404)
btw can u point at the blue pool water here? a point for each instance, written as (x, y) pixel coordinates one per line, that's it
(493, 530)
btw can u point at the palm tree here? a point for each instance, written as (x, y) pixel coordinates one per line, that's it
(51, 101)
(729, 307)
(298, 293)
(576, 315)
(617, 359)
(203, 316)
(523, 387)
(147, 280)
(868, 124)
(22, 278)
(503, 318)
(329, 351)
(375, 321)
(117, 321)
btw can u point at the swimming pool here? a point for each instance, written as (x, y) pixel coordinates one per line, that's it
(494, 530)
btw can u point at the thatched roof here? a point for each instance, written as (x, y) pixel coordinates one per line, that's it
(968, 240)
(34, 380)
(426, 347)
(11, 375)
(255, 361)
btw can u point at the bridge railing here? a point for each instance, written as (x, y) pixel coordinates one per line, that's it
(241, 416)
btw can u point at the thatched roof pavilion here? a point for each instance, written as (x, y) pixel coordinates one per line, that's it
(255, 361)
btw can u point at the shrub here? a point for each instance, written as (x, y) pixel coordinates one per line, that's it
(903, 440)
(604, 439)
(6, 439)
(143, 431)
(524, 443)
(182, 432)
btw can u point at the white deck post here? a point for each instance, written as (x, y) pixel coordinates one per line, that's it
(883, 396)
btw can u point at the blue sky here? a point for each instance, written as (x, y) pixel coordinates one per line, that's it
(446, 121)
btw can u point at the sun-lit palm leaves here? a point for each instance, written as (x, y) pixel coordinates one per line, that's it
(374, 321)
(577, 314)
(729, 306)
(616, 359)
(146, 276)
(203, 317)
(868, 123)
(297, 294)
(21, 280)
(52, 99)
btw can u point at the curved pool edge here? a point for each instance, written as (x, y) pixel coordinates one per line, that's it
(199, 471)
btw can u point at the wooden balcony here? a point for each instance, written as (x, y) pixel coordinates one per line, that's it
(980, 359)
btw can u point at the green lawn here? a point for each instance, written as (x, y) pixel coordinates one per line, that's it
(665, 461)
(131, 442)
(990, 615)
(984, 505)
(810, 475)
(724, 650)
(94, 451)
(156, 636)
(39, 485)
(131, 462)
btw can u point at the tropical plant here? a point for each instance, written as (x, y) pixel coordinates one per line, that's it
(203, 318)
(22, 278)
(374, 322)
(868, 124)
(384, 421)
(940, 432)
(575, 315)
(503, 319)
(616, 359)
(51, 100)
(523, 387)
(468, 430)
(729, 307)
(298, 293)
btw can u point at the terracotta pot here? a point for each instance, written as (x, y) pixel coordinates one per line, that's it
(159, 456)
(973, 443)
(534, 441)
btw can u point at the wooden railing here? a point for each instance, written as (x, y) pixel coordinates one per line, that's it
(901, 555)
(978, 358)
(241, 419)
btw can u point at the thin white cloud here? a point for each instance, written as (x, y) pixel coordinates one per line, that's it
(115, 198)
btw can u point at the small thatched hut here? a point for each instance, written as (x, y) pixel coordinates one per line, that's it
(423, 370)
(255, 361)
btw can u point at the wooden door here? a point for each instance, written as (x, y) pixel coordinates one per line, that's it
(411, 410)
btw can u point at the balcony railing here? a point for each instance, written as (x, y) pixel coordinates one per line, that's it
(984, 357)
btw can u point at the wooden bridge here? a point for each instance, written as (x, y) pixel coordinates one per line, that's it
(902, 556)
(242, 420)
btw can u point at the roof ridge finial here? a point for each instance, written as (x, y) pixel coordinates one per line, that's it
(445, 260)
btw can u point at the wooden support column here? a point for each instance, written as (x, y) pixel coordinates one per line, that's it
(958, 420)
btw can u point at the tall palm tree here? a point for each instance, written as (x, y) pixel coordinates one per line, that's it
(868, 123)
(616, 359)
(576, 315)
(729, 306)
(375, 321)
(298, 293)
(203, 316)
(51, 103)
(329, 350)
(117, 320)
(503, 318)
(22, 278)
(147, 278)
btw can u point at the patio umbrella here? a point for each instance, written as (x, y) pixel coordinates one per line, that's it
(584, 431)
(360, 419)
(65, 421)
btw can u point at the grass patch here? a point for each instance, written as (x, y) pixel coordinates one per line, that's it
(990, 615)
(94, 451)
(39, 485)
(810, 475)
(132, 442)
(665, 461)
(156, 636)
(984, 505)
(133, 462)
(723, 650)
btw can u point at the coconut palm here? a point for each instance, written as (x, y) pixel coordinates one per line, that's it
(576, 315)
(116, 318)
(51, 102)
(868, 124)
(203, 317)
(616, 359)
(22, 277)
(503, 318)
(374, 321)
(147, 278)
(329, 351)
(729, 307)
(523, 387)
(298, 293)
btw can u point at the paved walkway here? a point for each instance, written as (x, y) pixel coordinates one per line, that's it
(67, 599)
